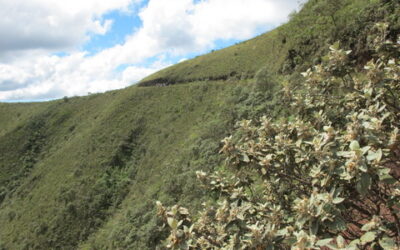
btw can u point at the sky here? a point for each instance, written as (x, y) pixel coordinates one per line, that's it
(55, 48)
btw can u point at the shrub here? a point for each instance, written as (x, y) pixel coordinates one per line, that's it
(316, 180)
(264, 80)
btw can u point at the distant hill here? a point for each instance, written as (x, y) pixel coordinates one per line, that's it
(84, 172)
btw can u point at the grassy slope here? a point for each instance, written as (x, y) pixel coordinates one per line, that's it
(85, 172)
(295, 45)
(240, 61)
(62, 199)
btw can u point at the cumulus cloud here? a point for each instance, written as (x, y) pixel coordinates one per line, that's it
(181, 26)
(52, 25)
(54, 77)
(33, 29)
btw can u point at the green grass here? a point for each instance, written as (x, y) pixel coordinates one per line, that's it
(241, 61)
(107, 154)
(85, 172)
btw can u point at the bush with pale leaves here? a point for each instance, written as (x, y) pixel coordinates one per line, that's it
(326, 177)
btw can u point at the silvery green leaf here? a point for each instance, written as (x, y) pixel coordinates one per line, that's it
(183, 211)
(335, 46)
(245, 158)
(282, 232)
(363, 167)
(364, 117)
(375, 156)
(388, 243)
(367, 125)
(346, 154)
(263, 171)
(340, 241)
(354, 243)
(324, 242)
(174, 210)
(368, 237)
(337, 200)
(368, 226)
(387, 178)
(172, 222)
(301, 221)
(324, 181)
(240, 216)
(346, 176)
(354, 146)
(384, 171)
(368, 92)
(365, 149)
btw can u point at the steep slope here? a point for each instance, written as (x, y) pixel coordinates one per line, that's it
(292, 46)
(75, 163)
(85, 172)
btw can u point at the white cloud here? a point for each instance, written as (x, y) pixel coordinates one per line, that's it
(52, 24)
(174, 27)
(55, 77)
(183, 25)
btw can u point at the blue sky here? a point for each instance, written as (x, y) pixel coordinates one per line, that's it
(124, 23)
(67, 48)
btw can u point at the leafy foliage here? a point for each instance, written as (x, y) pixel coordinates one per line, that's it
(326, 177)
(328, 21)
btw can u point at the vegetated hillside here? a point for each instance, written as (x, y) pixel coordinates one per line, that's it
(294, 46)
(81, 167)
(85, 172)
(327, 176)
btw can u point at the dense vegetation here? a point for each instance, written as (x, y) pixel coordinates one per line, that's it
(84, 173)
(328, 176)
(100, 161)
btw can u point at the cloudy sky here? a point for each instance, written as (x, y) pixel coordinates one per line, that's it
(55, 48)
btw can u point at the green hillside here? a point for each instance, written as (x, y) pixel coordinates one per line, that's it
(292, 46)
(77, 165)
(85, 172)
